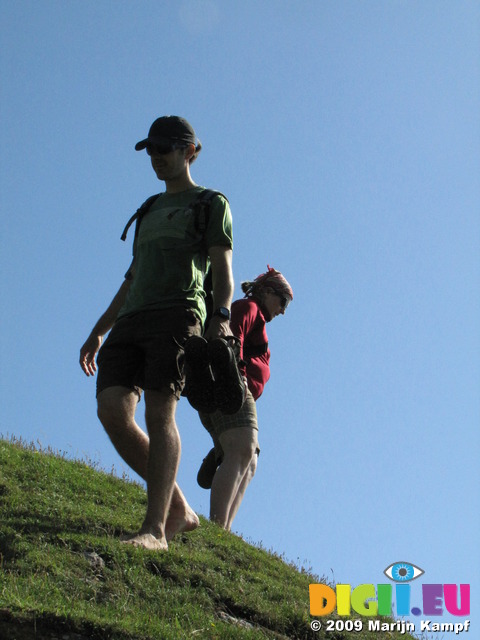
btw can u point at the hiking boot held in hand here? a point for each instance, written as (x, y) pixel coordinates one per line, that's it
(199, 384)
(229, 385)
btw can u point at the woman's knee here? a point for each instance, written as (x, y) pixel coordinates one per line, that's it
(253, 465)
(240, 446)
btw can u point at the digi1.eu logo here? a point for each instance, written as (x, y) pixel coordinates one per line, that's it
(378, 600)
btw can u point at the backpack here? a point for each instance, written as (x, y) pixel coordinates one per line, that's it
(201, 209)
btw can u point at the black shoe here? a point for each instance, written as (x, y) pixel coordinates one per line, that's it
(199, 386)
(229, 388)
(207, 470)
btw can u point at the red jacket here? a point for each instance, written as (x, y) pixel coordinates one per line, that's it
(248, 324)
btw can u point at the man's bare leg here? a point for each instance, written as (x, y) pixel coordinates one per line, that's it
(239, 446)
(163, 461)
(181, 517)
(116, 410)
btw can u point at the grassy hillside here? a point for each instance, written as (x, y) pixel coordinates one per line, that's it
(64, 574)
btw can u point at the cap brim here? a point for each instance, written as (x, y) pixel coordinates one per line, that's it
(154, 140)
(141, 145)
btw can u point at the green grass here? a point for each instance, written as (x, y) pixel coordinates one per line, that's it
(55, 511)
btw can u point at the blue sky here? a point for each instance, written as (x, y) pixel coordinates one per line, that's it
(346, 137)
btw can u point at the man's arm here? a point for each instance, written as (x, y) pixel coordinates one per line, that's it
(93, 343)
(222, 280)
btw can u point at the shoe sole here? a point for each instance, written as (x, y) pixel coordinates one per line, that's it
(207, 470)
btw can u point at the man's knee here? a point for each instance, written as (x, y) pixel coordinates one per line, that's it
(116, 406)
(160, 407)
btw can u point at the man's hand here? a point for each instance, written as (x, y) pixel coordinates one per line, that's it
(88, 353)
(218, 328)
(102, 327)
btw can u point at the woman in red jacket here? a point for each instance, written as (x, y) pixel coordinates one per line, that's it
(235, 436)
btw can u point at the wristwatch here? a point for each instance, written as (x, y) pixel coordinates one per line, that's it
(223, 313)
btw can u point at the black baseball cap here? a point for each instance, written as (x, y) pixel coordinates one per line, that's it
(167, 130)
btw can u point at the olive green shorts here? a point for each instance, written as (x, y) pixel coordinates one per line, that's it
(145, 350)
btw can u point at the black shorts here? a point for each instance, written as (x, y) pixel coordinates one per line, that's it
(145, 350)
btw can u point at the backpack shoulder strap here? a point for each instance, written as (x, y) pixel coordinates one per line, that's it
(138, 215)
(201, 208)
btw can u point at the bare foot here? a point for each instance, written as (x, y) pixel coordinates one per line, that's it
(181, 523)
(146, 541)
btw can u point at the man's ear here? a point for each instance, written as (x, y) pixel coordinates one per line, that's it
(189, 152)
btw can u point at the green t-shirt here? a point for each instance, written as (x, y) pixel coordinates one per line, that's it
(170, 255)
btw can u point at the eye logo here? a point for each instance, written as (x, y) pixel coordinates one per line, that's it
(403, 572)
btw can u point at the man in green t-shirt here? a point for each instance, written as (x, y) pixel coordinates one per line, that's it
(157, 308)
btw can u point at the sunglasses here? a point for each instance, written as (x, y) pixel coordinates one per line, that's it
(284, 301)
(161, 149)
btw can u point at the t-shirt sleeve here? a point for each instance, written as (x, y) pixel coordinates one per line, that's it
(219, 230)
